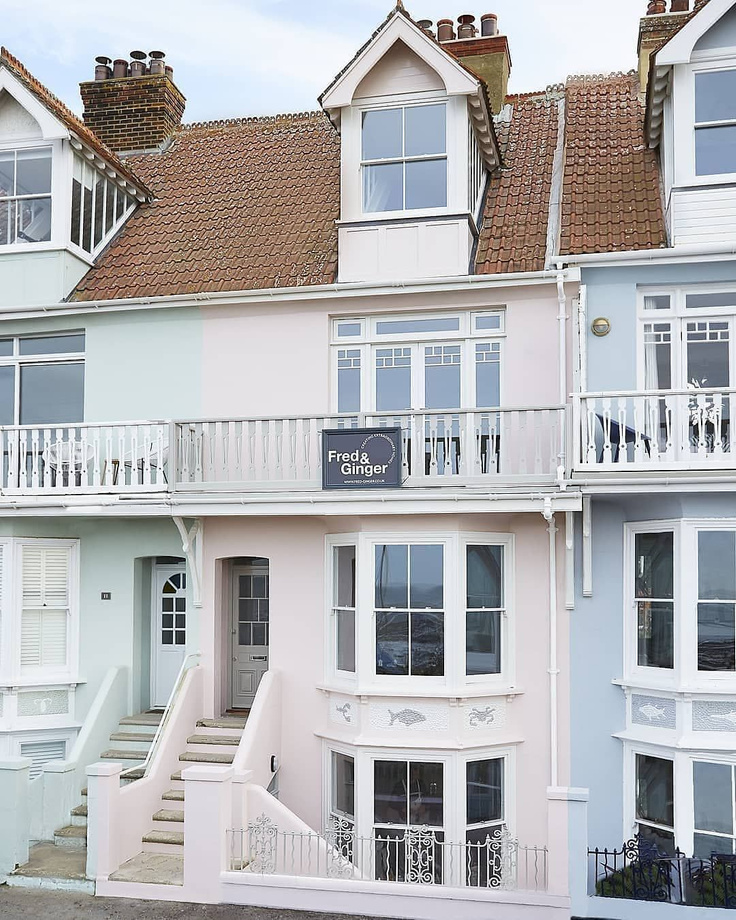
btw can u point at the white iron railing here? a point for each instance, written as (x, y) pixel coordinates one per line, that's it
(85, 457)
(655, 429)
(437, 447)
(409, 856)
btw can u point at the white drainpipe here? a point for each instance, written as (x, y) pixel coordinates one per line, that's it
(553, 670)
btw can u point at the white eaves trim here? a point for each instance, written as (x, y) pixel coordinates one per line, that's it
(51, 128)
(453, 285)
(679, 48)
(457, 80)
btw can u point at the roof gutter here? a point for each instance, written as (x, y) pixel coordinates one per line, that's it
(709, 252)
(294, 294)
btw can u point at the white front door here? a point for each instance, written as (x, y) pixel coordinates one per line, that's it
(169, 625)
(250, 629)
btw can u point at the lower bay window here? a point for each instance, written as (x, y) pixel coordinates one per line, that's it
(683, 584)
(655, 805)
(418, 612)
(418, 817)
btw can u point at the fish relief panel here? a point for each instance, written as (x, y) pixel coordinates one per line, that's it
(405, 715)
(714, 716)
(485, 714)
(654, 711)
(343, 711)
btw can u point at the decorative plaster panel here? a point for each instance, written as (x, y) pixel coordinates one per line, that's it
(484, 715)
(343, 711)
(653, 711)
(409, 715)
(43, 703)
(714, 716)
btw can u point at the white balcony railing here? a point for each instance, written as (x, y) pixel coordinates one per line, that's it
(85, 457)
(655, 430)
(438, 447)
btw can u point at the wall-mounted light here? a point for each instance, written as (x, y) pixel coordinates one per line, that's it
(600, 326)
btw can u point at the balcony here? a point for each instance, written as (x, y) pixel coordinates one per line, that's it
(654, 430)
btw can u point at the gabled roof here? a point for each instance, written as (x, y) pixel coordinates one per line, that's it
(73, 124)
(240, 204)
(457, 77)
(611, 198)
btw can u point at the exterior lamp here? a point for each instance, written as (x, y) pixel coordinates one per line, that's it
(600, 326)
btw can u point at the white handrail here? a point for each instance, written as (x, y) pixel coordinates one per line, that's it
(189, 662)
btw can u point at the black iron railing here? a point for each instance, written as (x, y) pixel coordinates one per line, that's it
(641, 871)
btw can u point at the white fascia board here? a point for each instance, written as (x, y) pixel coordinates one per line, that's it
(679, 49)
(457, 80)
(51, 128)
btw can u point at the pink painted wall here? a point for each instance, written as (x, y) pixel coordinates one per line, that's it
(296, 550)
(274, 359)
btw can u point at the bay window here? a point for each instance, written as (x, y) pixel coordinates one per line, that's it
(25, 195)
(655, 797)
(714, 809)
(485, 815)
(485, 609)
(404, 158)
(654, 593)
(717, 600)
(99, 206)
(344, 603)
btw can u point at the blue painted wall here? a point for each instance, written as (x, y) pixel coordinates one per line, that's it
(612, 294)
(596, 635)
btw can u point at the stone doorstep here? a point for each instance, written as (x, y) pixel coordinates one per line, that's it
(171, 838)
(151, 868)
(143, 718)
(48, 861)
(225, 722)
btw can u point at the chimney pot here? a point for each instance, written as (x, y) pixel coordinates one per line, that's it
(138, 55)
(680, 6)
(426, 24)
(445, 30)
(656, 6)
(466, 28)
(488, 24)
(137, 69)
(119, 68)
(103, 71)
(157, 66)
(169, 70)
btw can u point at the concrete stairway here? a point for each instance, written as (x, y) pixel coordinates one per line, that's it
(214, 741)
(130, 745)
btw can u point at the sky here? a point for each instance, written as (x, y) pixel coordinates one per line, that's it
(234, 58)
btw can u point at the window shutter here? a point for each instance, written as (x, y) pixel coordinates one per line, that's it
(41, 752)
(45, 614)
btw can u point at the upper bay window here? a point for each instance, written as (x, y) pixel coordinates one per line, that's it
(404, 158)
(715, 122)
(99, 206)
(25, 196)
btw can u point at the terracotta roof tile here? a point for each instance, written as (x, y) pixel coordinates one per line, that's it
(611, 197)
(242, 204)
(67, 117)
(513, 235)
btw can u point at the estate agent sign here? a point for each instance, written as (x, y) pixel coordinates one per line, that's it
(361, 458)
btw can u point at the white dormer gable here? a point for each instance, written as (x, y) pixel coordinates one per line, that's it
(417, 145)
(692, 120)
(47, 127)
(15, 121)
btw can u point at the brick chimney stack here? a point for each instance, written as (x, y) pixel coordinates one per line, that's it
(657, 26)
(481, 49)
(133, 105)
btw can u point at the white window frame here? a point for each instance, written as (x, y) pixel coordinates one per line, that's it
(455, 682)
(11, 616)
(17, 360)
(369, 342)
(118, 222)
(630, 820)
(685, 675)
(678, 316)
(402, 106)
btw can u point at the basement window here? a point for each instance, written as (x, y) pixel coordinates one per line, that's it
(99, 207)
(404, 158)
(25, 196)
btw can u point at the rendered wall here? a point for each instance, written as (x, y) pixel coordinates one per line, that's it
(296, 552)
(38, 277)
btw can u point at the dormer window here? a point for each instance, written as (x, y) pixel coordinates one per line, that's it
(99, 206)
(715, 122)
(404, 158)
(25, 195)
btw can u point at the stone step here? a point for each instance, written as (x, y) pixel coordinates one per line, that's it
(84, 792)
(152, 868)
(118, 754)
(133, 737)
(79, 811)
(173, 795)
(71, 836)
(199, 757)
(163, 842)
(176, 777)
(175, 815)
(229, 722)
(131, 775)
(143, 719)
(50, 866)
(79, 820)
(233, 740)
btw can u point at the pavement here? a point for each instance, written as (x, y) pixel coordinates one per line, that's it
(33, 904)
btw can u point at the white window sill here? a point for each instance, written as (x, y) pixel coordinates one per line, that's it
(679, 688)
(42, 682)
